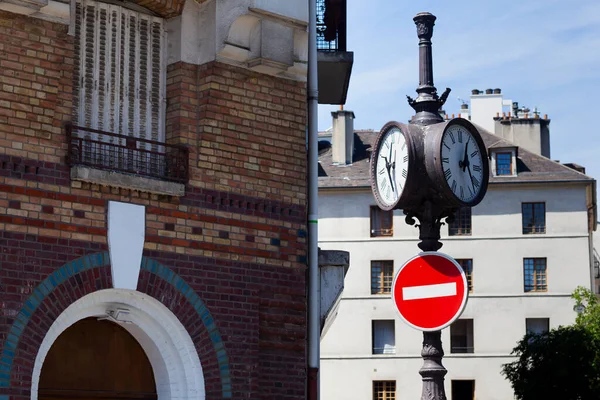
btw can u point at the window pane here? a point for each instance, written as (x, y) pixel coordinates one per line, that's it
(537, 325)
(461, 336)
(381, 277)
(534, 275)
(381, 222)
(462, 222)
(534, 217)
(384, 390)
(467, 266)
(384, 337)
(503, 164)
(463, 390)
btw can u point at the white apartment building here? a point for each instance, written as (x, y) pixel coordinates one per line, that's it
(525, 248)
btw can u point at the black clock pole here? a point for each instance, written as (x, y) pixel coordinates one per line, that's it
(430, 212)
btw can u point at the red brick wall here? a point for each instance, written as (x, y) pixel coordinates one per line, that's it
(237, 236)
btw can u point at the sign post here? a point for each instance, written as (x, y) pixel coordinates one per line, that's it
(421, 169)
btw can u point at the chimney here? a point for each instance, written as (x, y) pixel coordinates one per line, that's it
(464, 110)
(342, 137)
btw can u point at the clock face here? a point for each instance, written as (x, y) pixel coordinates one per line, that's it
(391, 168)
(462, 163)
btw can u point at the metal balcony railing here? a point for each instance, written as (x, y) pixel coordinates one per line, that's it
(131, 155)
(331, 25)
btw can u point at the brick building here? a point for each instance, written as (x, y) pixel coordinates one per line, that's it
(152, 199)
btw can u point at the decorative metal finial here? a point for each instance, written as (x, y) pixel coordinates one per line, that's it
(427, 102)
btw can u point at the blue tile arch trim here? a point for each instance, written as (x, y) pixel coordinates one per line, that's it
(165, 273)
(97, 260)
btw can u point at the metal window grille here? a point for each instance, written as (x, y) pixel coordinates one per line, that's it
(467, 266)
(534, 218)
(461, 224)
(384, 390)
(382, 274)
(504, 164)
(534, 273)
(461, 336)
(331, 25)
(381, 222)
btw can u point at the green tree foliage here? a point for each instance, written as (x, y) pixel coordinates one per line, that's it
(563, 363)
(589, 306)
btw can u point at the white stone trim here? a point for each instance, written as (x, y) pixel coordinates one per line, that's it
(49, 10)
(126, 234)
(169, 347)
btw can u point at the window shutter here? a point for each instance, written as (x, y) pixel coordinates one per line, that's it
(119, 80)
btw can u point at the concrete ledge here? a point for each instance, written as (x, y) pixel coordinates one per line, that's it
(48, 10)
(125, 181)
(334, 258)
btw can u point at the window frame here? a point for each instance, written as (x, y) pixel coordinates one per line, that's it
(382, 277)
(384, 393)
(533, 229)
(546, 319)
(534, 275)
(455, 228)
(376, 217)
(453, 390)
(510, 163)
(373, 330)
(468, 271)
(467, 349)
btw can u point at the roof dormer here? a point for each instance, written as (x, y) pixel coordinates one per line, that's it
(504, 161)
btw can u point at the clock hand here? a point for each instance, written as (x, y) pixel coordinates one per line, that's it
(391, 165)
(471, 176)
(465, 160)
(394, 167)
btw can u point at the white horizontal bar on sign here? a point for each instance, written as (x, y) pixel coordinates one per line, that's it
(429, 291)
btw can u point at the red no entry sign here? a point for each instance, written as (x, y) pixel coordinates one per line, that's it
(430, 291)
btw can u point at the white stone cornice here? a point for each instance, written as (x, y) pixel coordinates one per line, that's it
(48, 10)
(264, 36)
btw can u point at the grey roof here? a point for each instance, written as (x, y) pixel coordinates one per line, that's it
(531, 167)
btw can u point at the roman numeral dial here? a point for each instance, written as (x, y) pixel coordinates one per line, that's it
(461, 162)
(390, 170)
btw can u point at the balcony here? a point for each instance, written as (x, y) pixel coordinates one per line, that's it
(334, 62)
(111, 159)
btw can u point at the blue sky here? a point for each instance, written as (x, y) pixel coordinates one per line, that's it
(543, 53)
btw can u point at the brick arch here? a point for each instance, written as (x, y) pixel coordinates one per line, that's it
(88, 274)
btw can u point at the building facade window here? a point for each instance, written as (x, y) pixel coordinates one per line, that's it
(467, 266)
(537, 325)
(463, 389)
(461, 336)
(534, 218)
(119, 83)
(382, 222)
(382, 274)
(534, 274)
(384, 390)
(461, 225)
(504, 164)
(384, 337)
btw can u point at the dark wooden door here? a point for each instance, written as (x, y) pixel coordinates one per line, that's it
(96, 360)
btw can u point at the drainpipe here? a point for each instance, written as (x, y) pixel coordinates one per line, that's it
(314, 290)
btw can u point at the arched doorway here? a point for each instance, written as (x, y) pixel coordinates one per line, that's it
(96, 359)
(166, 343)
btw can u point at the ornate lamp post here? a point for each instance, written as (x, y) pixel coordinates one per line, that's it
(429, 168)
